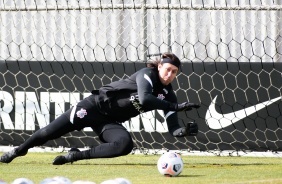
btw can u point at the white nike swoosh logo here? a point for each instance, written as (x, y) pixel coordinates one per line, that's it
(216, 120)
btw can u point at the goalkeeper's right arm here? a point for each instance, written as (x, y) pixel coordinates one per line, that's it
(191, 129)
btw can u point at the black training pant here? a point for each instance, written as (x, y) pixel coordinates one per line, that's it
(116, 139)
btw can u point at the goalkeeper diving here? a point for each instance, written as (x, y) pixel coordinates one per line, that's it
(107, 108)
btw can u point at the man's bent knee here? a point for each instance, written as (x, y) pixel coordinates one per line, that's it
(124, 146)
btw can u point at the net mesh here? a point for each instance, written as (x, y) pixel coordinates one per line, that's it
(129, 30)
(51, 34)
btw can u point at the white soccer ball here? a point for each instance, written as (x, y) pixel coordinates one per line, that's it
(170, 164)
(83, 182)
(22, 181)
(3, 182)
(56, 180)
(62, 180)
(123, 181)
(117, 181)
(110, 182)
(49, 181)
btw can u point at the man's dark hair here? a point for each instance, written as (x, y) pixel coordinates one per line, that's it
(169, 55)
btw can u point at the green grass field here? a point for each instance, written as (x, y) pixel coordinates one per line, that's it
(142, 169)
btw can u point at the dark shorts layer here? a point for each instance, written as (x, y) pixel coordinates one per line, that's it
(86, 114)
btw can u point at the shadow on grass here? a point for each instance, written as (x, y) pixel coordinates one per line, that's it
(189, 176)
(229, 165)
(116, 164)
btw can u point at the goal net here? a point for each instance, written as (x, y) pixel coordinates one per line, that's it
(53, 53)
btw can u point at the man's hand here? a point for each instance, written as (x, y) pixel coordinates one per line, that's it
(192, 129)
(186, 106)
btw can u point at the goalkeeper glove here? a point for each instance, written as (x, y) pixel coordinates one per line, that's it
(190, 130)
(186, 106)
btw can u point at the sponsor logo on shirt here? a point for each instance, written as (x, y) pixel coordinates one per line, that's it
(135, 102)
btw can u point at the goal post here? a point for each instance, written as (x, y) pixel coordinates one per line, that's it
(53, 53)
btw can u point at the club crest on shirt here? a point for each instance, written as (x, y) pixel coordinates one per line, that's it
(161, 96)
(81, 113)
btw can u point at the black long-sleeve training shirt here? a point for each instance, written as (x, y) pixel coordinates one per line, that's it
(141, 92)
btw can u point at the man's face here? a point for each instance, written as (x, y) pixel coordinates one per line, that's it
(167, 72)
